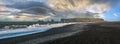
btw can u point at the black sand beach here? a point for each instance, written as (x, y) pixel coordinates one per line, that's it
(97, 33)
(91, 33)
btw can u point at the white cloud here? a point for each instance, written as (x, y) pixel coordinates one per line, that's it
(116, 14)
(1, 3)
(98, 8)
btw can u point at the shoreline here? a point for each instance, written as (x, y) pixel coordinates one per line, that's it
(20, 39)
(91, 33)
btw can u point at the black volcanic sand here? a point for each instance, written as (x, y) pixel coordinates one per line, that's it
(94, 33)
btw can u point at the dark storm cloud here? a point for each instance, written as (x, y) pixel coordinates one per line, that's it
(36, 11)
(31, 7)
(25, 5)
(28, 9)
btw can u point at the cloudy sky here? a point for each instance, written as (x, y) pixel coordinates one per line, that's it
(30, 10)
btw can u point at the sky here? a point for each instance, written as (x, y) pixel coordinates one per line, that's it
(113, 14)
(32, 10)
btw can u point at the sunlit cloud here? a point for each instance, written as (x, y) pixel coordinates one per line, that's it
(27, 17)
(11, 16)
(65, 5)
(79, 8)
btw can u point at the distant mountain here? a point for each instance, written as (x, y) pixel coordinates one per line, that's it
(82, 20)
